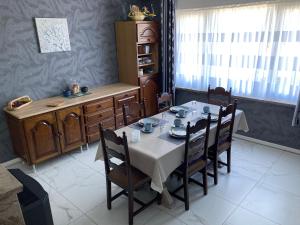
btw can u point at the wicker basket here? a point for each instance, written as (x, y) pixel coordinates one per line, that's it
(19, 103)
(137, 17)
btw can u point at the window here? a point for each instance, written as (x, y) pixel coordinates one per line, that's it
(253, 49)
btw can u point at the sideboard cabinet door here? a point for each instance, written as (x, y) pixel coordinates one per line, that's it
(71, 128)
(42, 137)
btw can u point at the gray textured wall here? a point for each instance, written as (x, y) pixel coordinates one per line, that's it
(24, 71)
(267, 121)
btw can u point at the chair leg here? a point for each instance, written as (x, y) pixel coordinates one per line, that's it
(186, 192)
(229, 160)
(130, 207)
(204, 177)
(108, 193)
(159, 197)
(215, 170)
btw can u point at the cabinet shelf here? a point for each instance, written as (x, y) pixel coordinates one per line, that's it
(145, 54)
(146, 65)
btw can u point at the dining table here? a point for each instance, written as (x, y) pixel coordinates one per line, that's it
(158, 154)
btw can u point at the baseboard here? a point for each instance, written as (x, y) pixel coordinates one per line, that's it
(11, 162)
(269, 144)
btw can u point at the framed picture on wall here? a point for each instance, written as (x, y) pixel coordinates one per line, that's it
(53, 34)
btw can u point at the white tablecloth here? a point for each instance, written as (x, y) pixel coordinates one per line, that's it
(157, 155)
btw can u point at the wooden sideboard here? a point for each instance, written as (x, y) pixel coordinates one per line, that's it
(39, 132)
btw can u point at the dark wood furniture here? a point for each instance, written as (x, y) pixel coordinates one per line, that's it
(219, 96)
(223, 139)
(96, 112)
(138, 58)
(133, 112)
(164, 102)
(124, 175)
(39, 133)
(195, 159)
(120, 100)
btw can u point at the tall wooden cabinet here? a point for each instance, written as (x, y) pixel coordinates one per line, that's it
(138, 58)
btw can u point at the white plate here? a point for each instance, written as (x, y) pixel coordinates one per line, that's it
(175, 109)
(153, 121)
(178, 132)
(213, 118)
(178, 116)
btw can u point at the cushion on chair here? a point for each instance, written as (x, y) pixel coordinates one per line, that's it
(118, 176)
(194, 166)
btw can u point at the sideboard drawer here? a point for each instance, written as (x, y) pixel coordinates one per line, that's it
(108, 123)
(96, 136)
(97, 117)
(147, 32)
(125, 98)
(99, 105)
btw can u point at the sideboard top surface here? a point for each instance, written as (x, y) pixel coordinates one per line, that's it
(40, 106)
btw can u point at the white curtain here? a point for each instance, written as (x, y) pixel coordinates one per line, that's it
(253, 49)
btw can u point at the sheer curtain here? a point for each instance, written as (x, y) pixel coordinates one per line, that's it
(253, 49)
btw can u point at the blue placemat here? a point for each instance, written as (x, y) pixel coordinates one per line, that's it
(167, 137)
(135, 126)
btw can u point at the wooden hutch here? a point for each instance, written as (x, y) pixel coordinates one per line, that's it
(138, 58)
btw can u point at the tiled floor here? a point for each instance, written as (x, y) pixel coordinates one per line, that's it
(263, 189)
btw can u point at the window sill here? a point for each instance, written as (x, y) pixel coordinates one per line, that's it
(280, 103)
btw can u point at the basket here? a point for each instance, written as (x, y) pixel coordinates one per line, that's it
(19, 103)
(137, 17)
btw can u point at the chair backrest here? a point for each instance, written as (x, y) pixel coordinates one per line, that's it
(219, 96)
(164, 102)
(108, 135)
(133, 112)
(225, 125)
(196, 148)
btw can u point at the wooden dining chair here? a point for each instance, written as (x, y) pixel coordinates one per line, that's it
(133, 112)
(223, 139)
(219, 96)
(195, 159)
(164, 102)
(124, 175)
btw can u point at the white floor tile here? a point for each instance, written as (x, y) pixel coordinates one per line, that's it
(274, 203)
(232, 187)
(63, 177)
(208, 210)
(118, 215)
(285, 174)
(88, 192)
(83, 220)
(245, 217)
(87, 156)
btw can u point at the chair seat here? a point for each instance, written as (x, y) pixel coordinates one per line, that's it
(193, 168)
(221, 148)
(119, 176)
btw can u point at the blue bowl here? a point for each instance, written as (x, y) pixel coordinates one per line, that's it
(67, 93)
